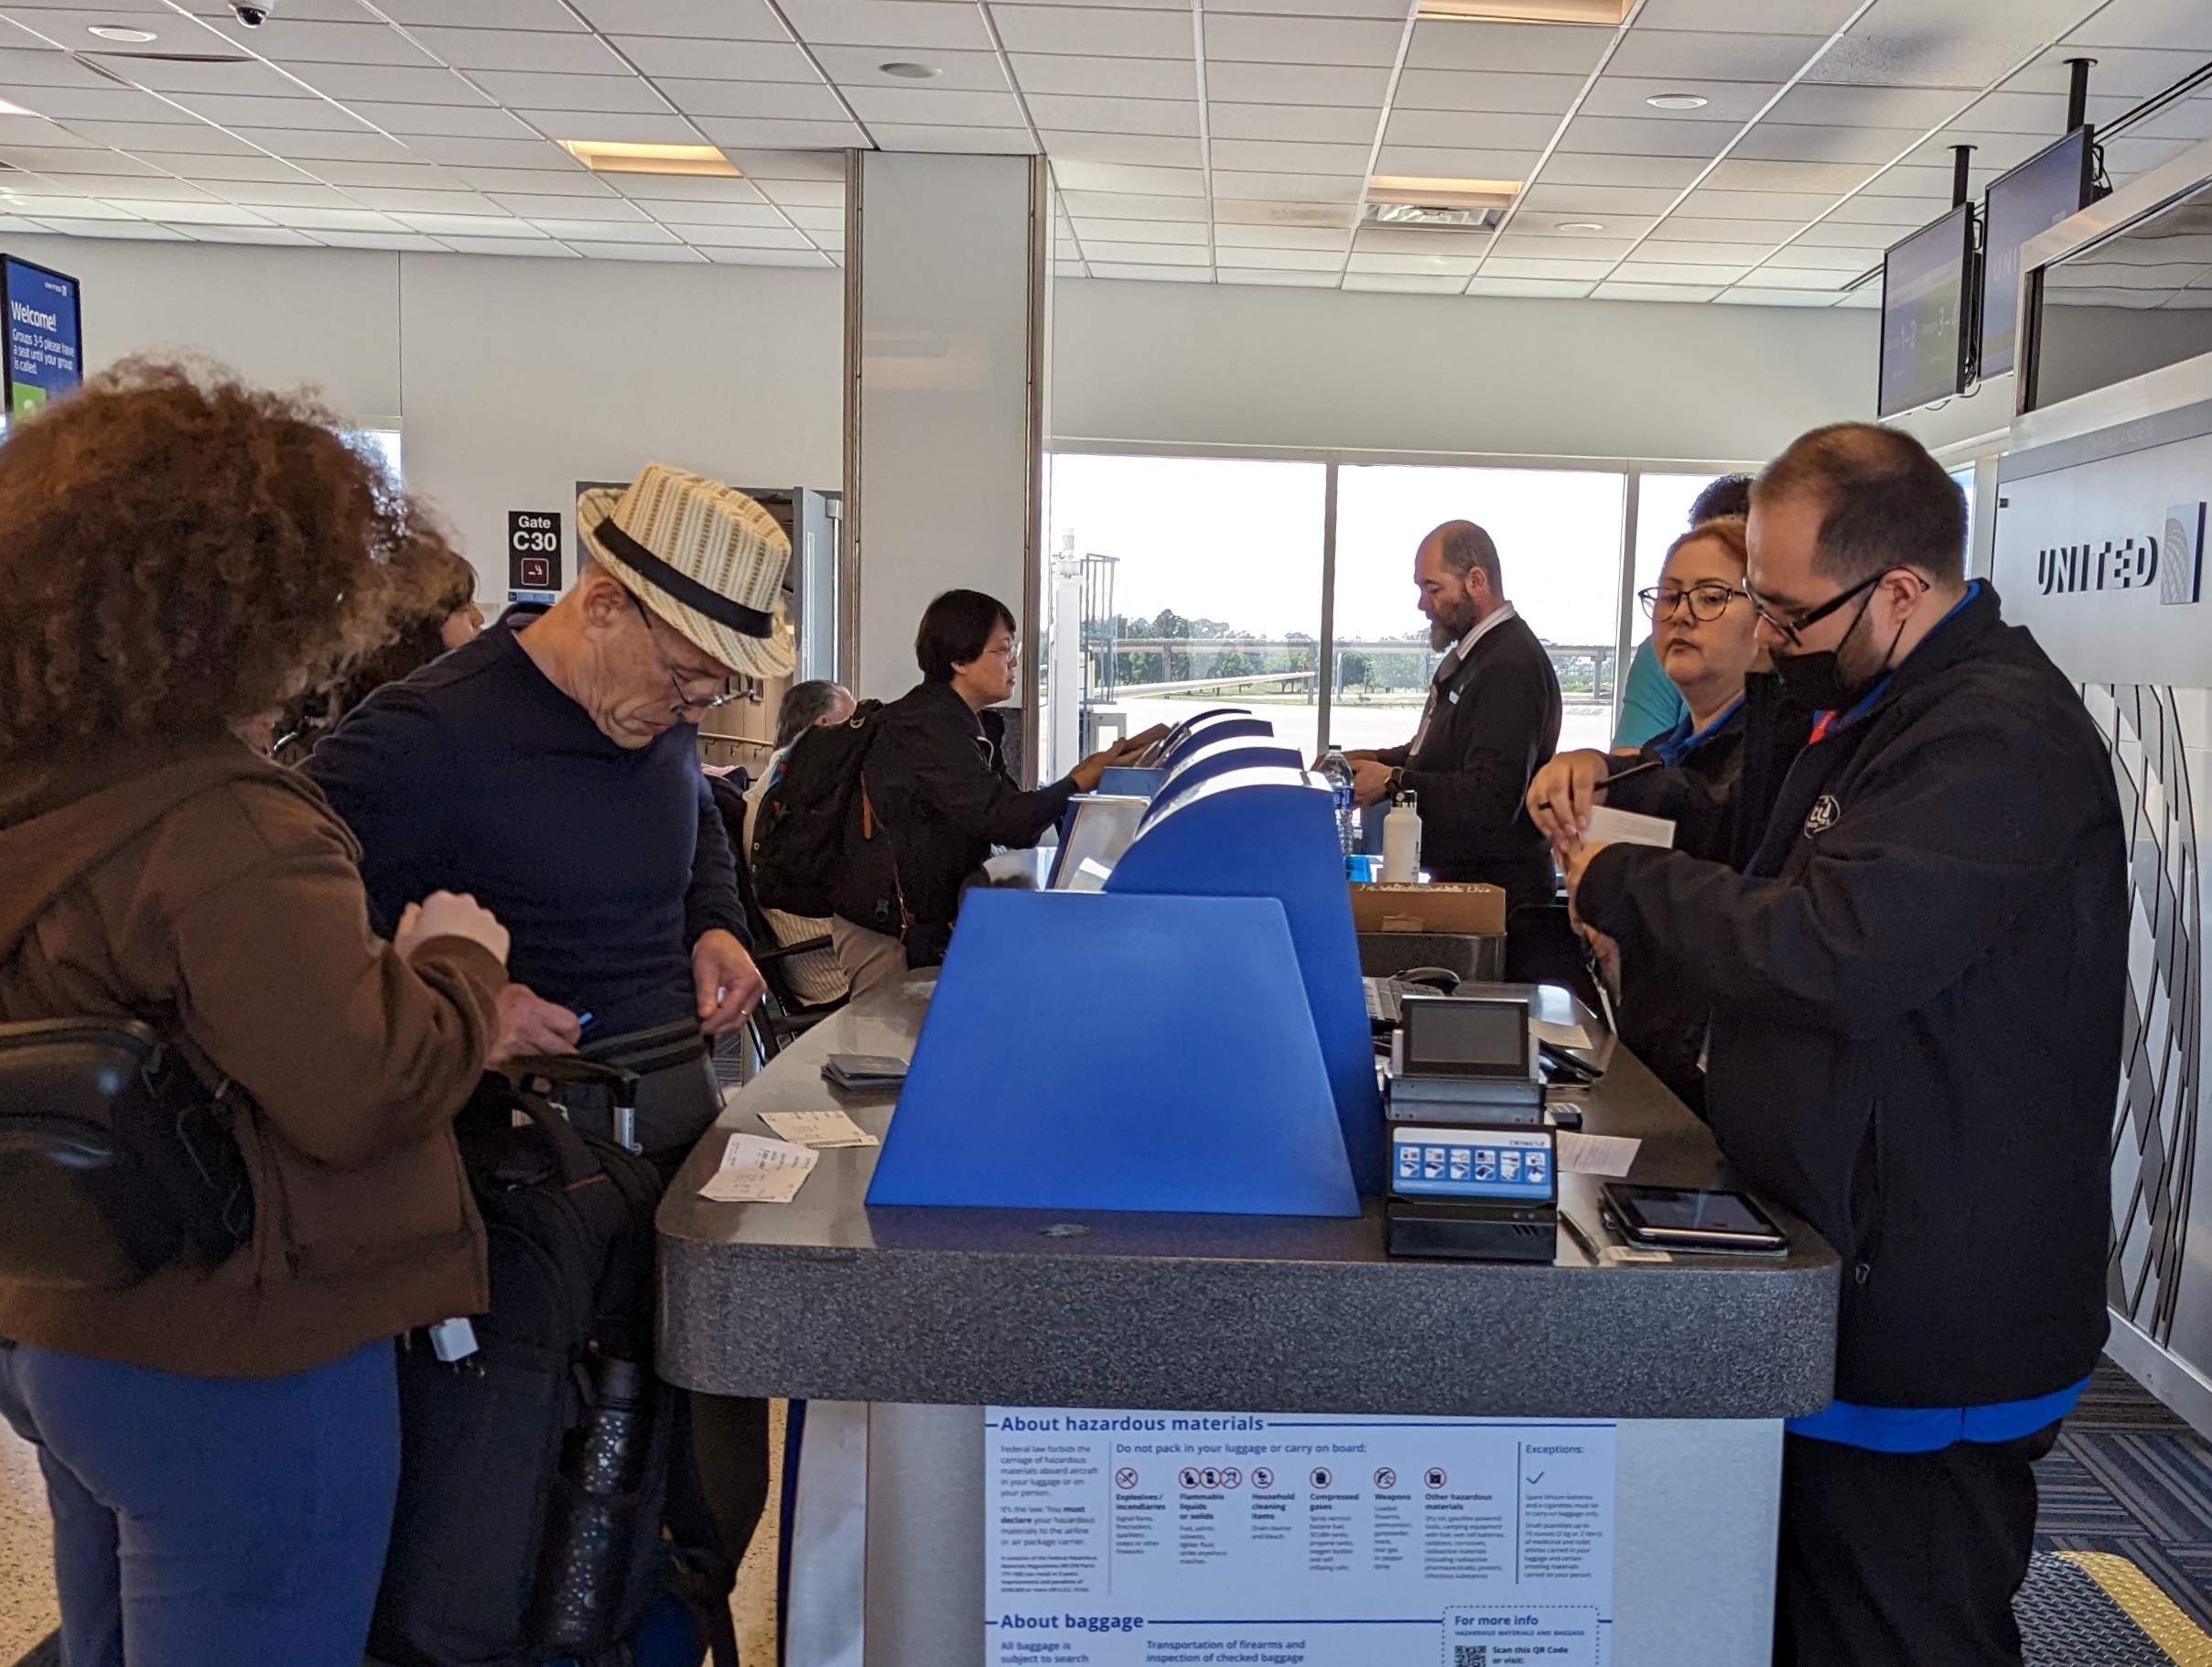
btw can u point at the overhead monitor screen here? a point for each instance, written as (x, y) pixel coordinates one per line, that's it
(45, 345)
(2130, 303)
(2051, 186)
(1924, 314)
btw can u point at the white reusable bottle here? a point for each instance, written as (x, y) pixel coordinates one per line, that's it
(1402, 840)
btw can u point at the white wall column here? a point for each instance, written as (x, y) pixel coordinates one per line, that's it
(946, 336)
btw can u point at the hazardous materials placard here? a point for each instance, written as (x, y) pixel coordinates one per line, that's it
(1145, 1539)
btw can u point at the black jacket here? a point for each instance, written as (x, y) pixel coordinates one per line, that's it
(1917, 993)
(938, 784)
(1496, 724)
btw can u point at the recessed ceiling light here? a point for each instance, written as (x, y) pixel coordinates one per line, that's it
(1443, 193)
(615, 156)
(1677, 100)
(111, 31)
(907, 71)
(1580, 225)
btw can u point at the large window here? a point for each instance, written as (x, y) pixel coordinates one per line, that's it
(1559, 536)
(1193, 582)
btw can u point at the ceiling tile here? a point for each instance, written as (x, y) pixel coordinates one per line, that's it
(1831, 178)
(79, 208)
(790, 164)
(1967, 63)
(469, 225)
(1709, 204)
(1227, 237)
(1836, 232)
(1629, 95)
(665, 128)
(1447, 130)
(2185, 119)
(1639, 136)
(350, 82)
(1785, 277)
(1498, 92)
(276, 235)
(1117, 205)
(694, 63)
(181, 211)
(1154, 150)
(1262, 211)
(404, 199)
(1147, 255)
(970, 141)
(1116, 177)
(1517, 267)
(2043, 113)
(1663, 272)
(1532, 288)
(676, 253)
(538, 245)
(1324, 123)
(1667, 251)
(758, 101)
(1520, 244)
(1615, 290)
(1373, 240)
(105, 103)
(1462, 265)
(957, 71)
(1157, 274)
(134, 230)
(1393, 11)
(553, 52)
(1298, 187)
(85, 159)
(250, 77)
(605, 231)
(614, 94)
(741, 237)
(338, 220)
(1095, 31)
(1688, 228)
(288, 40)
(406, 121)
(1284, 260)
(1404, 283)
(481, 13)
(1578, 202)
(314, 144)
(1539, 48)
(816, 221)
(891, 23)
(1125, 77)
(1176, 117)
(1237, 38)
(1569, 167)
(1143, 231)
(258, 169)
(193, 139)
(294, 114)
(1284, 156)
(1425, 163)
(288, 194)
(1731, 17)
(1296, 84)
(708, 188)
(44, 67)
(1792, 142)
(1901, 214)
(1278, 280)
(536, 206)
(728, 131)
(562, 182)
(2149, 23)
(1900, 107)
(493, 153)
(2130, 153)
(769, 257)
(1815, 258)
(927, 107)
(1667, 54)
(733, 213)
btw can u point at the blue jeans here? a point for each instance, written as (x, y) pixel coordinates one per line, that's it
(206, 1522)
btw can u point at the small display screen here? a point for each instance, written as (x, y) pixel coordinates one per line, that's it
(2044, 190)
(1514, 1165)
(1924, 314)
(1668, 1208)
(1467, 1035)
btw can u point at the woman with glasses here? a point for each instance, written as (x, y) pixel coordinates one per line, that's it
(1705, 631)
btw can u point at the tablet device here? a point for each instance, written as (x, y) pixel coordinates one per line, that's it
(1675, 1218)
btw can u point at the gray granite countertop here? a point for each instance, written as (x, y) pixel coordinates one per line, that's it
(826, 1298)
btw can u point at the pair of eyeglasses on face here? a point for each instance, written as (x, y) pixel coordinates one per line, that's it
(1706, 603)
(1789, 624)
(685, 702)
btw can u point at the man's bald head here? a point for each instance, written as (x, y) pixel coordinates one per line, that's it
(1881, 499)
(1461, 546)
(1456, 571)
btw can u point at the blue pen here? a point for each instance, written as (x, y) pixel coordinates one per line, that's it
(583, 1021)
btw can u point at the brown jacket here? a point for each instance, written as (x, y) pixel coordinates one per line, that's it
(216, 897)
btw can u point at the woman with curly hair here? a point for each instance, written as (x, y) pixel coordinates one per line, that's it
(433, 610)
(220, 1446)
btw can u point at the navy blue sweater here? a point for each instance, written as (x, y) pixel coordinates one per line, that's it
(478, 774)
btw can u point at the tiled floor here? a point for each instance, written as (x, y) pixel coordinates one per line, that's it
(26, 1586)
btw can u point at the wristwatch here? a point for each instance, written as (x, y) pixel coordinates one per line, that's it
(1397, 784)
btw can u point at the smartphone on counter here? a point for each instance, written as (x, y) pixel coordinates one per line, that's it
(1677, 1218)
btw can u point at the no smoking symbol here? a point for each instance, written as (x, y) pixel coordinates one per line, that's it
(1125, 1478)
(1386, 1478)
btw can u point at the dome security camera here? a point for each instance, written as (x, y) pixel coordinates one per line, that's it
(253, 14)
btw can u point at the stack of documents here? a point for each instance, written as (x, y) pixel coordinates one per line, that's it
(857, 1071)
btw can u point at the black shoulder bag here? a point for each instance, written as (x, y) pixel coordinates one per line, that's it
(114, 1159)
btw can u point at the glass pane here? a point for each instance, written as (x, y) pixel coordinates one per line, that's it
(1663, 503)
(2124, 305)
(1196, 582)
(1559, 538)
(1965, 479)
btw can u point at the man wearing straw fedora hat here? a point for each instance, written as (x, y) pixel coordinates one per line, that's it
(550, 768)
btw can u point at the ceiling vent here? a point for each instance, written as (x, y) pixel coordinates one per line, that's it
(173, 58)
(1430, 217)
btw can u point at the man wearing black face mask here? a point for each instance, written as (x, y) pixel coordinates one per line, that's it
(1917, 987)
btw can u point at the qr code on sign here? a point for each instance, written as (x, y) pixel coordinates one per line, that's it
(1470, 1655)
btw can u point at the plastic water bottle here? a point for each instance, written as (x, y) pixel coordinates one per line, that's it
(1337, 769)
(593, 1518)
(1402, 841)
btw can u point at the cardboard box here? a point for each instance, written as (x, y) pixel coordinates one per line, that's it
(1432, 910)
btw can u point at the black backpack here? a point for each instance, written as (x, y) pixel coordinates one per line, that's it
(802, 834)
(489, 1441)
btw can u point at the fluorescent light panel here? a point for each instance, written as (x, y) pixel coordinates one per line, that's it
(612, 157)
(1605, 14)
(1443, 193)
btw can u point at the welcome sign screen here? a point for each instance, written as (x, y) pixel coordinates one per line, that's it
(45, 351)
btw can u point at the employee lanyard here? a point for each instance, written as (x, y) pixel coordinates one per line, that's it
(1826, 723)
(1674, 748)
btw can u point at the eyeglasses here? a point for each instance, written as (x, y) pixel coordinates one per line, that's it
(684, 703)
(1706, 602)
(1788, 625)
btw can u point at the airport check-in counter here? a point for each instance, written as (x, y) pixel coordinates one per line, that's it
(1070, 1233)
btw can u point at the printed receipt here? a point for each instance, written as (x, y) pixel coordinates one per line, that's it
(819, 1129)
(756, 1171)
(1152, 1539)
